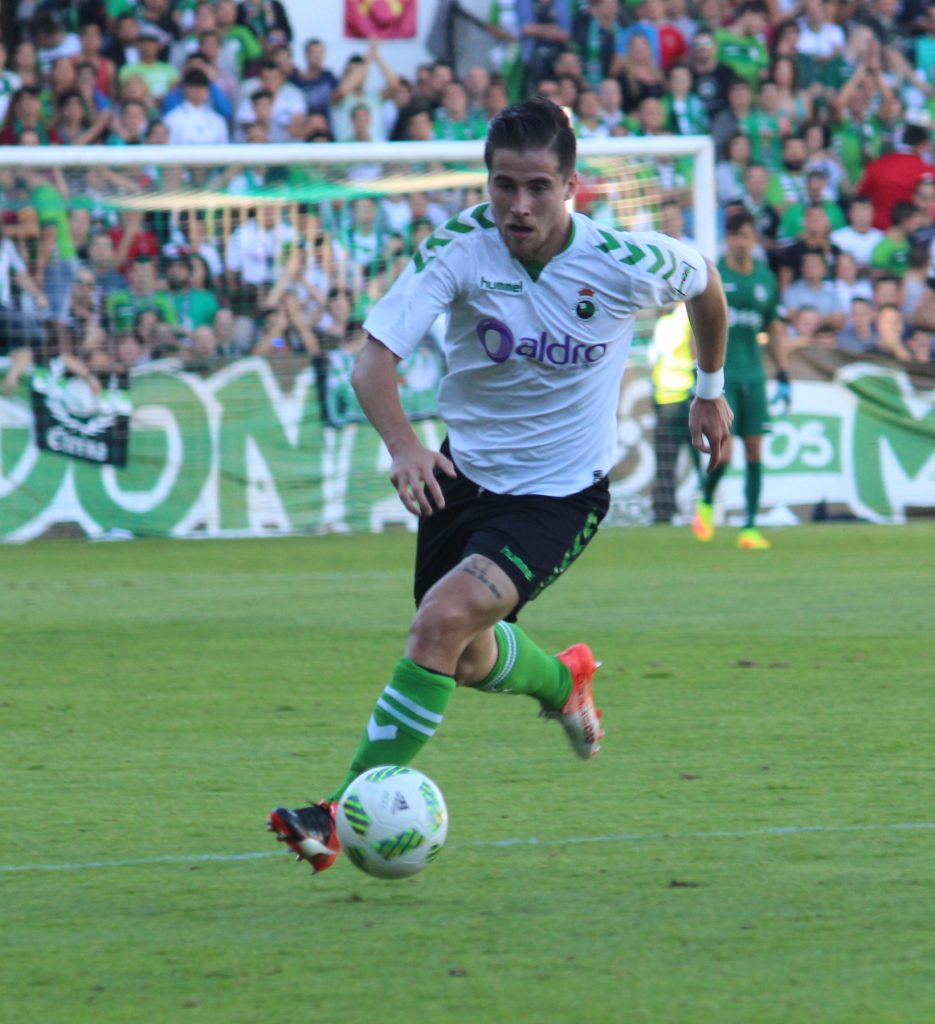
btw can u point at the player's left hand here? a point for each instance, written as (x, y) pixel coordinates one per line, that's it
(783, 397)
(709, 421)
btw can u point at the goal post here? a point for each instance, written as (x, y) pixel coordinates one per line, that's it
(699, 149)
(221, 406)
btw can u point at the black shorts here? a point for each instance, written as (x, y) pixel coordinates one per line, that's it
(533, 538)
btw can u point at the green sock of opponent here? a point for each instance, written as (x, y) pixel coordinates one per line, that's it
(523, 667)
(406, 716)
(711, 480)
(751, 492)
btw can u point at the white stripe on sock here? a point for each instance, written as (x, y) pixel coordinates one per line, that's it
(405, 719)
(412, 706)
(505, 633)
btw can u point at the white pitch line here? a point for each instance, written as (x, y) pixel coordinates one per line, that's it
(635, 837)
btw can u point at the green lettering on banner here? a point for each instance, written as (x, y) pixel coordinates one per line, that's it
(893, 437)
(37, 484)
(269, 452)
(170, 459)
(360, 497)
(803, 444)
(362, 486)
(242, 451)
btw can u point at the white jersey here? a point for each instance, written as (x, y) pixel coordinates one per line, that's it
(534, 365)
(859, 244)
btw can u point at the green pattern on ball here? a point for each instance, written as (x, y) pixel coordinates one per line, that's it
(386, 773)
(357, 817)
(355, 856)
(436, 813)
(433, 853)
(396, 846)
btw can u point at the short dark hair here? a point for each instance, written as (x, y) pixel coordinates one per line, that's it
(738, 219)
(915, 135)
(65, 97)
(536, 123)
(196, 78)
(901, 211)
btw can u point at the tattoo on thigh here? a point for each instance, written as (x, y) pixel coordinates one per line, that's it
(477, 567)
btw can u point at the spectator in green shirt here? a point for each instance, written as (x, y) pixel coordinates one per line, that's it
(453, 119)
(125, 305)
(793, 219)
(194, 307)
(890, 256)
(157, 74)
(686, 113)
(741, 46)
(787, 185)
(57, 258)
(239, 41)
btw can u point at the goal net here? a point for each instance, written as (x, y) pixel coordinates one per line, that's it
(178, 326)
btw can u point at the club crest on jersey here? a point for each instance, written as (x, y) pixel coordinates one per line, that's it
(585, 307)
(500, 343)
(760, 293)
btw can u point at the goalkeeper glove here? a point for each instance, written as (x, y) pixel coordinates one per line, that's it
(783, 396)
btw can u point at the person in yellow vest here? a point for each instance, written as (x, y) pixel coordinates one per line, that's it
(673, 377)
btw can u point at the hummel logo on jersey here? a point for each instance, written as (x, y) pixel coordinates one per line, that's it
(508, 287)
(500, 343)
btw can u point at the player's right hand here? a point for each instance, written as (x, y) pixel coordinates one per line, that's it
(709, 421)
(413, 476)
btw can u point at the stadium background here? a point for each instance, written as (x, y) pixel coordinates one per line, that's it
(234, 429)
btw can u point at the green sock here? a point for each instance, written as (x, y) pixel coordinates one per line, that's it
(751, 491)
(406, 716)
(523, 667)
(711, 480)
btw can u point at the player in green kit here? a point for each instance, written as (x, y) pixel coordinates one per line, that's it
(753, 307)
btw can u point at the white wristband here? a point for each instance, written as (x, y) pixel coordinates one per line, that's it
(710, 385)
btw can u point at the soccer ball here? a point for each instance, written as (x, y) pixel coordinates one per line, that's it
(392, 821)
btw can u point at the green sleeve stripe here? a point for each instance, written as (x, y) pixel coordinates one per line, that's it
(610, 243)
(480, 215)
(635, 254)
(459, 227)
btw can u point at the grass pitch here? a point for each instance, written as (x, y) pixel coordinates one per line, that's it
(754, 845)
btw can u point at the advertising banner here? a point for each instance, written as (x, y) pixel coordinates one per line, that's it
(249, 451)
(78, 421)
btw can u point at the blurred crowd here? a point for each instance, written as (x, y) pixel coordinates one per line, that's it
(821, 113)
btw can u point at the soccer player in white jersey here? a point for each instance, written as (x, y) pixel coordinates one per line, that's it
(541, 306)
